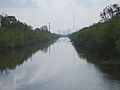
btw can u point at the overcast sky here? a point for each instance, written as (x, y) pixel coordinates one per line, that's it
(58, 12)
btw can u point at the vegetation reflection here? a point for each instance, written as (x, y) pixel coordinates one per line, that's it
(11, 59)
(110, 67)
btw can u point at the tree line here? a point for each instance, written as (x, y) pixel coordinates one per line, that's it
(102, 38)
(14, 33)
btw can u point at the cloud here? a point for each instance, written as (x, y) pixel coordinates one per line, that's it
(17, 3)
(58, 12)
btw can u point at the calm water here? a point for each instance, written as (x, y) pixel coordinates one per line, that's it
(53, 66)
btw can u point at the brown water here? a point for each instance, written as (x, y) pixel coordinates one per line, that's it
(52, 67)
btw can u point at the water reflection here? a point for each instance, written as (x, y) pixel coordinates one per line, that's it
(57, 67)
(110, 67)
(10, 59)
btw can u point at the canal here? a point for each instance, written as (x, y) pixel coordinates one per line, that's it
(53, 66)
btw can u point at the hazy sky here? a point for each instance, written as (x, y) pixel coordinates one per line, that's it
(58, 12)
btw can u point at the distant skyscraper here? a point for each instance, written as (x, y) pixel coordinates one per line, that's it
(68, 31)
(59, 31)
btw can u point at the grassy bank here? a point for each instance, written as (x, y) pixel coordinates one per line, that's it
(15, 34)
(100, 38)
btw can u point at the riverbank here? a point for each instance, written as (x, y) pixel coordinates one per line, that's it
(16, 34)
(101, 38)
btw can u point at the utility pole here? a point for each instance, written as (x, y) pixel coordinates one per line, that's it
(0, 20)
(49, 26)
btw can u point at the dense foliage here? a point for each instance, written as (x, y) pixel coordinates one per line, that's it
(14, 33)
(102, 38)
